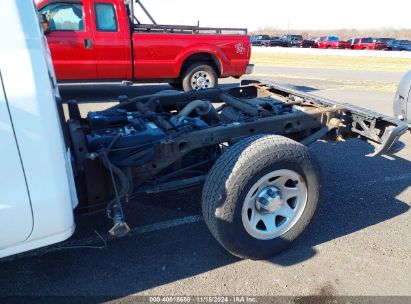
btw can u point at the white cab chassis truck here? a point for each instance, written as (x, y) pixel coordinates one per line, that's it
(247, 147)
(37, 190)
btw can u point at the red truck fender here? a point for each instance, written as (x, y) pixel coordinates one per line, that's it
(199, 52)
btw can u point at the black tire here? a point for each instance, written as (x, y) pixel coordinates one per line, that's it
(233, 176)
(176, 85)
(193, 70)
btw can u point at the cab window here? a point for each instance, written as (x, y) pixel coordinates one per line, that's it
(106, 20)
(64, 16)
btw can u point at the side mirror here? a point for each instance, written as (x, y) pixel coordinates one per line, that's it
(44, 23)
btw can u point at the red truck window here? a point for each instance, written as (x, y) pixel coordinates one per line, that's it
(106, 20)
(64, 16)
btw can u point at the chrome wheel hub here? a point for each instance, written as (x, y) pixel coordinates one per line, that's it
(268, 200)
(201, 80)
(274, 204)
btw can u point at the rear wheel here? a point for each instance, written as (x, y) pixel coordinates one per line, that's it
(199, 76)
(260, 195)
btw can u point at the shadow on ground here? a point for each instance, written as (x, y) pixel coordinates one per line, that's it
(359, 192)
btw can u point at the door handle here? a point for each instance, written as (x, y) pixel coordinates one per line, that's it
(88, 43)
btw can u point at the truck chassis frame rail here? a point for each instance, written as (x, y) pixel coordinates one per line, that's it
(317, 118)
(172, 140)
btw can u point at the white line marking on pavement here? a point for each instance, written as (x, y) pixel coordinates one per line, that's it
(139, 230)
(166, 225)
(90, 241)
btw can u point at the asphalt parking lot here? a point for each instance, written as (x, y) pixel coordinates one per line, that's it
(359, 243)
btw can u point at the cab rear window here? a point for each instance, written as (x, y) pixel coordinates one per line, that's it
(367, 40)
(333, 38)
(106, 20)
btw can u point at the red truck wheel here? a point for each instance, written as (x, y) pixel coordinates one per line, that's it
(199, 76)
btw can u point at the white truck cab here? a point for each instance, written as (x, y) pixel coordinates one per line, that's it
(37, 191)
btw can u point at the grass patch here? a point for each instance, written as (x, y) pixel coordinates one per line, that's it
(333, 62)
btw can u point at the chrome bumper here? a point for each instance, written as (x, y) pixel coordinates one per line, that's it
(250, 69)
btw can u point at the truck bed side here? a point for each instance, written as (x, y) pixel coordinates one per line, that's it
(165, 55)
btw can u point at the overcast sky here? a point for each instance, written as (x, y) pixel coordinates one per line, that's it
(297, 14)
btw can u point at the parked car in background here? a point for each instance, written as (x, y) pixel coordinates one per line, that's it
(380, 44)
(350, 42)
(292, 40)
(275, 41)
(331, 42)
(399, 45)
(309, 43)
(385, 40)
(260, 40)
(316, 41)
(368, 44)
(390, 44)
(343, 45)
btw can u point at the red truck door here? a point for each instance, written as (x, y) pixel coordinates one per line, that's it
(70, 40)
(112, 40)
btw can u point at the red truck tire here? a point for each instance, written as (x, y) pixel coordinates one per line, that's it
(199, 76)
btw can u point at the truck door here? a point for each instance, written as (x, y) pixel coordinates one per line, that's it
(16, 220)
(112, 40)
(70, 40)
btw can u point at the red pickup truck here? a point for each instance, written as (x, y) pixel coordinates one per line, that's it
(367, 44)
(331, 42)
(102, 40)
